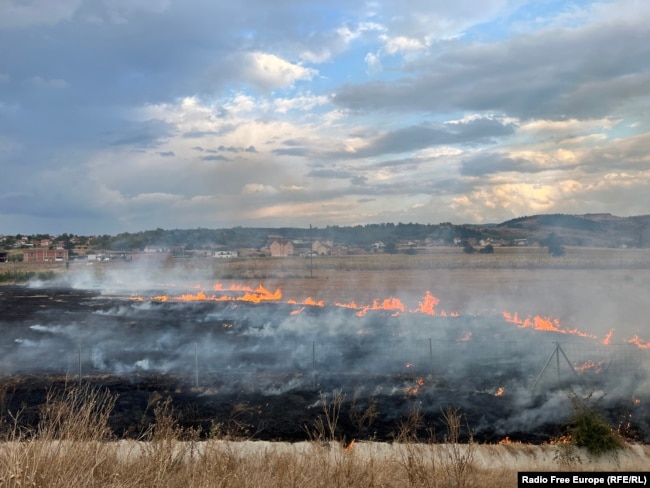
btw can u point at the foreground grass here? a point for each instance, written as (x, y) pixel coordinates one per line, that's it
(73, 446)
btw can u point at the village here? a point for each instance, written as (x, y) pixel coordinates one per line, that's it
(77, 249)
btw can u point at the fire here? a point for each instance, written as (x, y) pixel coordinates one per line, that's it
(500, 391)
(415, 389)
(543, 324)
(608, 337)
(313, 303)
(427, 306)
(590, 365)
(639, 343)
(506, 440)
(244, 293)
(349, 447)
(636, 401)
(465, 338)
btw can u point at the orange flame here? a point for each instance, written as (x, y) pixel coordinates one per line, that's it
(590, 365)
(639, 343)
(312, 302)
(608, 337)
(427, 306)
(544, 324)
(465, 338)
(349, 447)
(500, 391)
(415, 389)
(297, 311)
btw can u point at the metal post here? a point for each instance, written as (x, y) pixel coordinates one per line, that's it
(79, 356)
(311, 252)
(313, 362)
(196, 365)
(431, 357)
(557, 363)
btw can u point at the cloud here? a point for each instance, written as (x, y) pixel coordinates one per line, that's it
(268, 71)
(418, 137)
(17, 13)
(553, 75)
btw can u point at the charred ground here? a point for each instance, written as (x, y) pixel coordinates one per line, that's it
(256, 371)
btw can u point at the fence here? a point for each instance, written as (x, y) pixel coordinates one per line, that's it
(265, 361)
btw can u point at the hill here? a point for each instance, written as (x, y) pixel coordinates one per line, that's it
(593, 230)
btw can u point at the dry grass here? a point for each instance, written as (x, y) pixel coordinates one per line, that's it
(72, 446)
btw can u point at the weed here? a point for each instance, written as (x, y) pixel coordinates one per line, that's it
(589, 429)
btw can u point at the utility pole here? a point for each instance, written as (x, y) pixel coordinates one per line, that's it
(311, 252)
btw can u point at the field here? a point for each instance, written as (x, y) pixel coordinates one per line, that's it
(594, 290)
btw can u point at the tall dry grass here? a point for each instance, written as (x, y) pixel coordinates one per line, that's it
(73, 446)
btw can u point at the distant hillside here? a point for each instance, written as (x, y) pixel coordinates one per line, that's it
(598, 230)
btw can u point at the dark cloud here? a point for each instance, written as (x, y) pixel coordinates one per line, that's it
(330, 173)
(166, 154)
(490, 163)
(214, 158)
(419, 137)
(292, 151)
(147, 134)
(582, 73)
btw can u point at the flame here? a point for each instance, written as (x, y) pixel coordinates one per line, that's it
(544, 324)
(428, 304)
(608, 337)
(639, 343)
(349, 447)
(244, 293)
(590, 365)
(415, 389)
(313, 303)
(500, 391)
(636, 401)
(465, 338)
(506, 440)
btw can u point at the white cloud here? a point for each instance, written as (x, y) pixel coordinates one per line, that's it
(373, 61)
(402, 44)
(258, 188)
(302, 102)
(269, 71)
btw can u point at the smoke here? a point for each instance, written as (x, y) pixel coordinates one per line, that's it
(275, 348)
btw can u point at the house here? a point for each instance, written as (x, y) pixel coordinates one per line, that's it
(321, 248)
(225, 254)
(281, 248)
(520, 242)
(45, 255)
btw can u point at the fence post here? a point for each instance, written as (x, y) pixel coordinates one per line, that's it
(313, 363)
(196, 365)
(431, 357)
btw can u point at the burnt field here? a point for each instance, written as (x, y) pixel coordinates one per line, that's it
(261, 368)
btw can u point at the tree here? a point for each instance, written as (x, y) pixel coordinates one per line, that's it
(487, 249)
(468, 248)
(390, 248)
(554, 244)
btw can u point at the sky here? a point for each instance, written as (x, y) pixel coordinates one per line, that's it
(128, 115)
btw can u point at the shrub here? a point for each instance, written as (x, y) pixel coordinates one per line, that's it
(590, 430)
